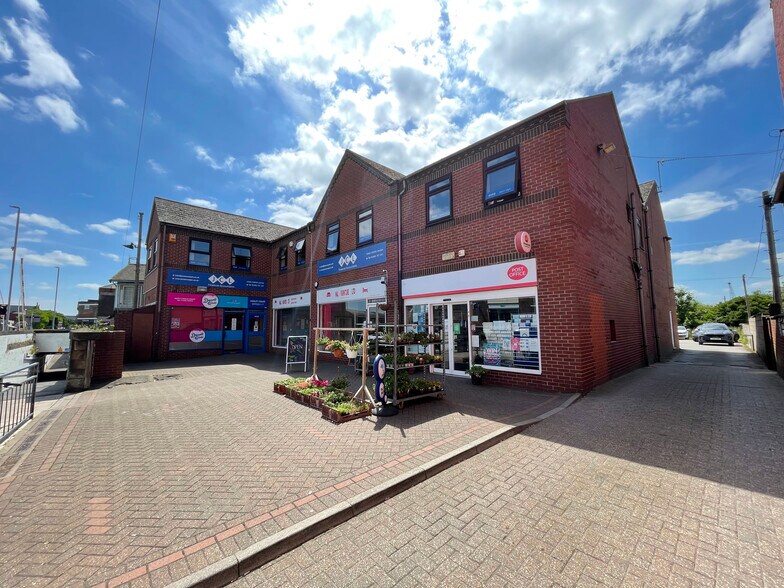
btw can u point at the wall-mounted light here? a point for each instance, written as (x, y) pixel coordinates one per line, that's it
(315, 285)
(606, 148)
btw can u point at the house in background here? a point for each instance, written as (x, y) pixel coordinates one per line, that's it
(106, 301)
(87, 311)
(123, 282)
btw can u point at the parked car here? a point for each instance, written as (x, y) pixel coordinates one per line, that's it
(695, 333)
(715, 333)
(683, 332)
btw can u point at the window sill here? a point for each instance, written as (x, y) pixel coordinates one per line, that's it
(502, 200)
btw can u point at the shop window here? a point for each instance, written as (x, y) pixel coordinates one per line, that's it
(299, 252)
(290, 321)
(502, 178)
(333, 239)
(195, 328)
(506, 333)
(283, 256)
(240, 257)
(613, 333)
(348, 315)
(439, 200)
(199, 252)
(152, 256)
(365, 227)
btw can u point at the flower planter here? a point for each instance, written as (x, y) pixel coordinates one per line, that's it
(315, 401)
(279, 388)
(329, 413)
(321, 346)
(476, 380)
(338, 353)
(351, 354)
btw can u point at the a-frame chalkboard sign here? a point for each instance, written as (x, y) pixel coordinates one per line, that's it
(297, 351)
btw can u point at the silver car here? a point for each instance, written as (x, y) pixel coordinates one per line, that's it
(716, 333)
(683, 332)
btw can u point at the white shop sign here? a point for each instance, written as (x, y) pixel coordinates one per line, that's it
(501, 276)
(345, 293)
(292, 300)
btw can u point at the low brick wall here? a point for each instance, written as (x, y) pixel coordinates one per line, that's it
(95, 356)
(109, 354)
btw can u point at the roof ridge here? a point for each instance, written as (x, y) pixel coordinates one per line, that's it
(222, 212)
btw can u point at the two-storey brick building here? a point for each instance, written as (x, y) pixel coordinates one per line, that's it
(535, 247)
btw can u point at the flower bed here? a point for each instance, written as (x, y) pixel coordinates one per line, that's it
(339, 407)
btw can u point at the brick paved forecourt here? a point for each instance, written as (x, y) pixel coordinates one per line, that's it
(177, 466)
(670, 476)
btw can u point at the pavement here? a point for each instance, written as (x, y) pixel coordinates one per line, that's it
(672, 475)
(179, 465)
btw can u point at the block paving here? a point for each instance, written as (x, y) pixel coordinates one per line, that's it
(178, 465)
(670, 476)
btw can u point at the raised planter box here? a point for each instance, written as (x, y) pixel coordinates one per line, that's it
(279, 389)
(315, 401)
(329, 413)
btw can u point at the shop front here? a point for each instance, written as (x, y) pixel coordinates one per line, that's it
(348, 306)
(217, 322)
(490, 315)
(290, 316)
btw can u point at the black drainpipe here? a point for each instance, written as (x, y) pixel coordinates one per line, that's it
(637, 269)
(650, 282)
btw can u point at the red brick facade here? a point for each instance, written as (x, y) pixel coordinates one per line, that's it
(108, 358)
(581, 206)
(778, 33)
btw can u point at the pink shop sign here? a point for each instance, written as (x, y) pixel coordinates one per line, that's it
(180, 299)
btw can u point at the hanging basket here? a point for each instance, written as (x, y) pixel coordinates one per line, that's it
(351, 353)
(338, 353)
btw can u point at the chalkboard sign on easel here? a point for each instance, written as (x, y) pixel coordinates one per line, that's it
(297, 351)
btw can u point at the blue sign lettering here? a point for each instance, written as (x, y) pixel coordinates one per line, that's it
(362, 257)
(216, 280)
(257, 303)
(232, 301)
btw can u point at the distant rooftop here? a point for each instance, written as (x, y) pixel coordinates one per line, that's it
(645, 190)
(128, 273)
(196, 217)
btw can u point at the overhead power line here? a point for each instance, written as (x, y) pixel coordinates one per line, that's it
(666, 158)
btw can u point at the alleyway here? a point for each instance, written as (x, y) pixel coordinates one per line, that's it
(669, 476)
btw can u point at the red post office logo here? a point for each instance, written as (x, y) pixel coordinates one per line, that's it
(517, 272)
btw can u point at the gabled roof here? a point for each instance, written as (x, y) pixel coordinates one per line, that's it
(195, 217)
(128, 273)
(646, 190)
(384, 170)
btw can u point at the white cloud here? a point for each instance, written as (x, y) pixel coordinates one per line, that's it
(725, 252)
(112, 256)
(119, 102)
(203, 155)
(748, 195)
(245, 205)
(6, 53)
(5, 102)
(406, 91)
(51, 259)
(60, 111)
(89, 285)
(44, 286)
(45, 66)
(156, 167)
(202, 202)
(696, 205)
(747, 48)
(181, 188)
(33, 9)
(111, 227)
(39, 220)
(85, 54)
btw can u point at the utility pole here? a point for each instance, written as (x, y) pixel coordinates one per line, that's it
(56, 288)
(13, 263)
(767, 205)
(746, 297)
(138, 257)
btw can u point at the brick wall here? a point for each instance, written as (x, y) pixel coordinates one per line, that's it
(778, 34)
(109, 355)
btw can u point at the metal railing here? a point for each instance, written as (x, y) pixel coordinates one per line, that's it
(17, 398)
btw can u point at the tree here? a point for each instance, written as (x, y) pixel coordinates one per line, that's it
(687, 308)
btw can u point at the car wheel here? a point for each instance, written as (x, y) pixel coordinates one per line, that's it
(699, 340)
(731, 343)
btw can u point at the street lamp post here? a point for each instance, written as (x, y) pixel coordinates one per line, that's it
(13, 262)
(56, 288)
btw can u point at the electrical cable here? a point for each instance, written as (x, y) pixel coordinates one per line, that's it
(141, 125)
(759, 246)
(665, 158)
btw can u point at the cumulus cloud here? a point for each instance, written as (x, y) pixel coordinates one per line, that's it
(725, 252)
(119, 102)
(203, 155)
(5, 102)
(406, 92)
(696, 205)
(89, 285)
(112, 256)
(203, 202)
(111, 227)
(245, 205)
(33, 9)
(38, 220)
(45, 66)
(55, 258)
(156, 167)
(60, 111)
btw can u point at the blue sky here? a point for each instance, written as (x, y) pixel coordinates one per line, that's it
(251, 105)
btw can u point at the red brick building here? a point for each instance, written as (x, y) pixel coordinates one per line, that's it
(588, 298)
(777, 6)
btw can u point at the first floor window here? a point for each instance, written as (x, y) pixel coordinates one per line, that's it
(240, 257)
(333, 239)
(365, 226)
(283, 258)
(200, 252)
(506, 333)
(439, 200)
(502, 178)
(291, 321)
(152, 256)
(299, 252)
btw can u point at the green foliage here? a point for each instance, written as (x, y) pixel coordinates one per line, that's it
(340, 382)
(692, 313)
(46, 318)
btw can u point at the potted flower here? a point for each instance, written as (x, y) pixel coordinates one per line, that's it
(353, 350)
(477, 373)
(321, 343)
(337, 347)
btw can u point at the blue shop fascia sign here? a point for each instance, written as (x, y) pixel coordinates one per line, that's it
(362, 257)
(216, 280)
